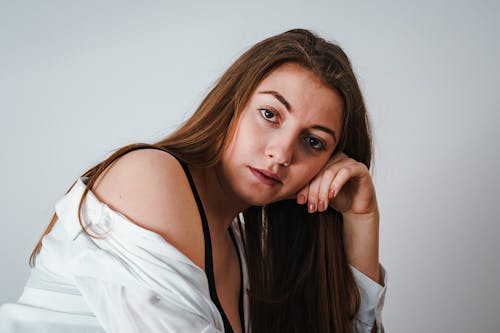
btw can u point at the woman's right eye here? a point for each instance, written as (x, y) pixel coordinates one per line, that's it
(269, 115)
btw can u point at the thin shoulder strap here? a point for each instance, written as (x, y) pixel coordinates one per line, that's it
(206, 230)
(209, 268)
(204, 222)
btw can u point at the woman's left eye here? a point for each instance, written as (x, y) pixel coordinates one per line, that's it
(269, 115)
(314, 143)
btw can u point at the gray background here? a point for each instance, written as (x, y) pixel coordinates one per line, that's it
(81, 78)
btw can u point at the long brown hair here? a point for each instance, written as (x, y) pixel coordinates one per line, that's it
(300, 280)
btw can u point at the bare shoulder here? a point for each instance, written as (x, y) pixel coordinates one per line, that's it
(150, 188)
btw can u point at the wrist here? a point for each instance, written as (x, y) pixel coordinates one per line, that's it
(361, 241)
(372, 217)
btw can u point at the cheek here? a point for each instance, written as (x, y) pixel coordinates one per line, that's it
(250, 137)
(299, 178)
(306, 173)
(239, 138)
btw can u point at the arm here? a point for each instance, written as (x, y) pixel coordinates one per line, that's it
(361, 235)
(347, 187)
(149, 187)
(131, 278)
(361, 243)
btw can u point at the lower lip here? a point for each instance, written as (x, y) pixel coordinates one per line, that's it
(264, 179)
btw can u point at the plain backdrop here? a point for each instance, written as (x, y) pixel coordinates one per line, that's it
(79, 79)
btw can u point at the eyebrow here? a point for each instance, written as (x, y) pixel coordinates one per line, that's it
(283, 101)
(327, 130)
(279, 98)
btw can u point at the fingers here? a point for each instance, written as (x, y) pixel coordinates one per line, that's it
(321, 190)
(302, 195)
(312, 199)
(328, 183)
(342, 177)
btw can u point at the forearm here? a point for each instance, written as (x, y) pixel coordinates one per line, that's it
(361, 241)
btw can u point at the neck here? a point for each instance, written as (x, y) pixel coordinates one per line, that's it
(220, 203)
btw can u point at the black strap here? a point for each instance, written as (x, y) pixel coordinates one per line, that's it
(240, 301)
(209, 270)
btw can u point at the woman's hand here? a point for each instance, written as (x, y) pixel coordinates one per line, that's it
(345, 184)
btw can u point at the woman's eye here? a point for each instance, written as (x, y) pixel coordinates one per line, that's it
(314, 143)
(269, 115)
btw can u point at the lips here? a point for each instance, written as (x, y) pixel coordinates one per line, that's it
(266, 177)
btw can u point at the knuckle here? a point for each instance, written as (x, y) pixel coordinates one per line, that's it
(329, 173)
(360, 167)
(345, 170)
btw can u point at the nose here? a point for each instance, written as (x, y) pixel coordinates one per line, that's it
(280, 151)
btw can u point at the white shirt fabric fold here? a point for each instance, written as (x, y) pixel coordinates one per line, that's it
(128, 280)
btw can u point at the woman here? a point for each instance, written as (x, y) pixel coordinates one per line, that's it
(258, 213)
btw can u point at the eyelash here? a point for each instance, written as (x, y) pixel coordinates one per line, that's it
(321, 143)
(264, 110)
(307, 139)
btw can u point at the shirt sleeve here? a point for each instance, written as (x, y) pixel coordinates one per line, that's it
(132, 279)
(372, 301)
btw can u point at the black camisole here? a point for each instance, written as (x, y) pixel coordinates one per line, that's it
(209, 269)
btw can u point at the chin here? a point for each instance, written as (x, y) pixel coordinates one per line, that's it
(267, 201)
(257, 202)
(253, 200)
(256, 196)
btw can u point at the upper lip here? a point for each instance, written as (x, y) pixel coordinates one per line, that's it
(269, 174)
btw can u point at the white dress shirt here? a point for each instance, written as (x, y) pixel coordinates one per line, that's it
(129, 279)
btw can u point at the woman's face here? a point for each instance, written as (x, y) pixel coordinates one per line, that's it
(284, 136)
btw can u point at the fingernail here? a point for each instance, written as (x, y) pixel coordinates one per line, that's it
(321, 206)
(302, 199)
(312, 208)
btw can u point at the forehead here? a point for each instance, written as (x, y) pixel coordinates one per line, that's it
(307, 95)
